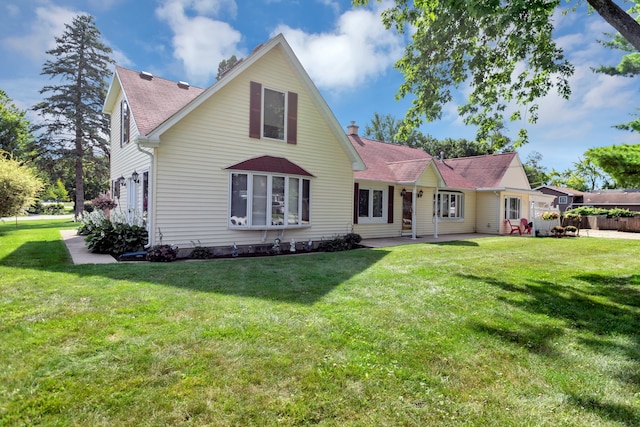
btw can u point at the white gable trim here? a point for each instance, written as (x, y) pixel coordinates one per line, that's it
(279, 40)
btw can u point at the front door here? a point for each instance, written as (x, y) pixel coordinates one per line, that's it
(407, 212)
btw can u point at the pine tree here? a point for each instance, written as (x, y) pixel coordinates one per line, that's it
(73, 123)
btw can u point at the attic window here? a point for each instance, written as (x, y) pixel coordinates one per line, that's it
(146, 75)
(125, 122)
(183, 85)
(273, 114)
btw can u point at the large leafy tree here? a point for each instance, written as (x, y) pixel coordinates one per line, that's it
(482, 44)
(16, 138)
(536, 172)
(74, 126)
(622, 162)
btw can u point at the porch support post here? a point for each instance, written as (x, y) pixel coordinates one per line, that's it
(435, 215)
(414, 199)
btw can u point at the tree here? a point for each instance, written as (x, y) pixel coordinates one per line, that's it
(536, 173)
(621, 162)
(385, 128)
(225, 65)
(16, 138)
(629, 66)
(18, 186)
(482, 43)
(58, 192)
(73, 123)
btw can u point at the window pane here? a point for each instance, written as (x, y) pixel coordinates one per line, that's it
(377, 203)
(238, 199)
(259, 211)
(306, 194)
(294, 199)
(363, 203)
(273, 114)
(277, 200)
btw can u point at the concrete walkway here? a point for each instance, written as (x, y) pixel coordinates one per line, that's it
(79, 252)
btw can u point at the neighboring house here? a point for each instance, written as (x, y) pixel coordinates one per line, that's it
(611, 199)
(259, 155)
(568, 198)
(564, 198)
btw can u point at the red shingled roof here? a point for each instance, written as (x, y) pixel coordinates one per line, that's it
(482, 171)
(152, 99)
(270, 164)
(389, 162)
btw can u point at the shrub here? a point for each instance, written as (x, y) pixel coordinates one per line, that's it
(557, 230)
(550, 215)
(200, 252)
(104, 203)
(610, 213)
(340, 243)
(36, 208)
(571, 229)
(19, 186)
(55, 209)
(115, 237)
(162, 253)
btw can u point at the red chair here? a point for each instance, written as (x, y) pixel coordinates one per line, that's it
(514, 228)
(526, 226)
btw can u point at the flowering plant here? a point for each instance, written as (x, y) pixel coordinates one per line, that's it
(104, 202)
(549, 216)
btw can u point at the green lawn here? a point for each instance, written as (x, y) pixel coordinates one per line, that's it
(486, 332)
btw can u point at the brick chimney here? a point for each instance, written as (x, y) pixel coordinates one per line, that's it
(352, 129)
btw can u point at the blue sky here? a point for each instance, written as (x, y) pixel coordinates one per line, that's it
(346, 51)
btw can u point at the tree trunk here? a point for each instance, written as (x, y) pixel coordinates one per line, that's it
(618, 19)
(79, 175)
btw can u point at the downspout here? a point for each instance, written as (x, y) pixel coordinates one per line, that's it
(150, 205)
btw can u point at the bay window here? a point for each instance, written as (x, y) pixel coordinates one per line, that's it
(262, 200)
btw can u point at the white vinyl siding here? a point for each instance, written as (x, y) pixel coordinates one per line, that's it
(191, 162)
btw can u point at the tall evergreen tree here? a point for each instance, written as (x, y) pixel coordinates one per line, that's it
(73, 123)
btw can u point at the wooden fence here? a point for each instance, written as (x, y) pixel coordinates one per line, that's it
(603, 223)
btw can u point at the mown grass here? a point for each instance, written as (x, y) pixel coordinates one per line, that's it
(492, 331)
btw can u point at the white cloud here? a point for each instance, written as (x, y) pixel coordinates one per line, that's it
(200, 42)
(49, 23)
(358, 49)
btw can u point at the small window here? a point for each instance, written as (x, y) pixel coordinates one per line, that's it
(125, 123)
(372, 205)
(262, 201)
(273, 114)
(449, 204)
(562, 200)
(512, 208)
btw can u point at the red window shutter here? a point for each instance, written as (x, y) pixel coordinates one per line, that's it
(255, 110)
(292, 118)
(356, 192)
(390, 205)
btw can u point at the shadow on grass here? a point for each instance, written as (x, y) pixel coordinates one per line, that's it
(10, 225)
(302, 279)
(606, 308)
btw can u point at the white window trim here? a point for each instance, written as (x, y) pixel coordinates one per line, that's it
(249, 217)
(507, 207)
(263, 110)
(385, 206)
(563, 200)
(439, 202)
